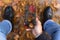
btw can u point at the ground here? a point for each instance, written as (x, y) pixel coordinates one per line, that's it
(19, 32)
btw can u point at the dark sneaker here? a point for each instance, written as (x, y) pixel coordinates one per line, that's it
(47, 14)
(8, 13)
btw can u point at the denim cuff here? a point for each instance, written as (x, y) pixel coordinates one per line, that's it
(9, 25)
(2, 36)
(47, 22)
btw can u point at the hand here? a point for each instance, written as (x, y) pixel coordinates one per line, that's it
(38, 28)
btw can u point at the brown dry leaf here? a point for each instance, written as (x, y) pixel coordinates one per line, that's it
(1, 3)
(7, 1)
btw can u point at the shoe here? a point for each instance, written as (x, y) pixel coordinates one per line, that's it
(47, 14)
(8, 13)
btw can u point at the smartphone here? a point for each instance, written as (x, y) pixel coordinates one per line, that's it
(30, 19)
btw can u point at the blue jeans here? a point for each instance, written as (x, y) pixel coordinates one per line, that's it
(50, 27)
(5, 29)
(53, 29)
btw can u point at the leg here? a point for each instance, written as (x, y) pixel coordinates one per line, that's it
(52, 29)
(56, 35)
(5, 27)
(2, 36)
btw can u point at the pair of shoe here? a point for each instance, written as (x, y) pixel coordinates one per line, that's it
(9, 13)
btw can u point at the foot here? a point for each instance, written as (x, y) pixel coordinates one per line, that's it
(8, 13)
(47, 14)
